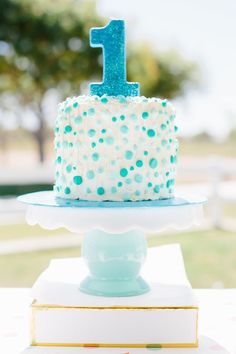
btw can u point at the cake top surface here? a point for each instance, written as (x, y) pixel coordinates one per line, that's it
(73, 102)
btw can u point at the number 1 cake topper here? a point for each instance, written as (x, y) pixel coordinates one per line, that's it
(112, 40)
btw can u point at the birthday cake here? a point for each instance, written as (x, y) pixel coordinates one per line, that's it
(115, 147)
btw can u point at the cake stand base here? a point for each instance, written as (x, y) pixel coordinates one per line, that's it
(114, 262)
(103, 287)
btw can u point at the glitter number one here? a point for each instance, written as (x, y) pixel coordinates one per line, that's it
(112, 40)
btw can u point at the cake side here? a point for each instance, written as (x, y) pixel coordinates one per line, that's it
(115, 148)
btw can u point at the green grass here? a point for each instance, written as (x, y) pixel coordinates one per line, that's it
(24, 231)
(210, 257)
(204, 148)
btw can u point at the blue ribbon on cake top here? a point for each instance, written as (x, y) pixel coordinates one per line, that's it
(111, 39)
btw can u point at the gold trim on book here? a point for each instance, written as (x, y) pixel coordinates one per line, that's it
(127, 345)
(197, 327)
(45, 307)
(33, 327)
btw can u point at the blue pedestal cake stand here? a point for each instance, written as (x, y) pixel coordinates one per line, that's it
(114, 246)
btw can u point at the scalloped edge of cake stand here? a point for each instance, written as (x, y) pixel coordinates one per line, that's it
(113, 217)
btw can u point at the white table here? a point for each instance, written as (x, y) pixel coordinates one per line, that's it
(217, 326)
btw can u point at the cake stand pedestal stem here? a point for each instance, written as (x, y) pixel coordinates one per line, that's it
(114, 262)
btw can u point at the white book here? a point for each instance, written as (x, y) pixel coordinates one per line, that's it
(164, 317)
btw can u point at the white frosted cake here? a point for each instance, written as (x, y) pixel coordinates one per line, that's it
(115, 148)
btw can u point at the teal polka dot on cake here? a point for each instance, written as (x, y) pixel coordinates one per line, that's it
(100, 140)
(138, 178)
(164, 142)
(104, 100)
(58, 160)
(91, 132)
(90, 174)
(122, 100)
(149, 184)
(137, 193)
(113, 190)
(75, 104)
(145, 153)
(78, 120)
(68, 168)
(163, 126)
(119, 184)
(124, 129)
(164, 103)
(151, 133)
(100, 191)
(128, 181)
(103, 131)
(77, 180)
(95, 156)
(123, 172)
(91, 111)
(68, 128)
(114, 119)
(67, 190)
(153, 163)
(93, 144)
(122, 117)
(170, 182)
(156, 189)
(139, 163)
(133, 116)
(145, 115)
(68, 109)
(128, 154)
(109, 140)
(126, 196)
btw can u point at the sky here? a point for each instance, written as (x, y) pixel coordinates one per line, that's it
(201, 30)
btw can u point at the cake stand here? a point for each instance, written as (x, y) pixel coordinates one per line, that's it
(114, 246)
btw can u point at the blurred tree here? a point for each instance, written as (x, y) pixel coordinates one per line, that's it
(44, 44)
(164, 74)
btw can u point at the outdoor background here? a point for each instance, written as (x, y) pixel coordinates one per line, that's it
(183, 50)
